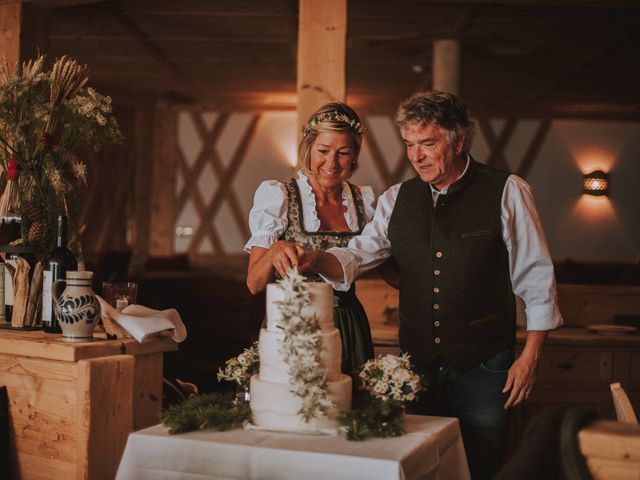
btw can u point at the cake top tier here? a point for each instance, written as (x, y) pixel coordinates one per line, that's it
(320, 305)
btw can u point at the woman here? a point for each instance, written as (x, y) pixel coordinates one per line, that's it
(318, 209)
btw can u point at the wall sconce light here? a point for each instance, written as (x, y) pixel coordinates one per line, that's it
(596, 183)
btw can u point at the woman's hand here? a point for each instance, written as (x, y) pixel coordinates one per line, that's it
(284, 256)
(263, 262)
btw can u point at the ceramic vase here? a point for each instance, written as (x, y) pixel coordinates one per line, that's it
(77, 308)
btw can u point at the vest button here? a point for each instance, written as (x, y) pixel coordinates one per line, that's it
(436, 290)
(436, 323)
(439, 254)
(436, 272)
(437, 340)
(436, 306)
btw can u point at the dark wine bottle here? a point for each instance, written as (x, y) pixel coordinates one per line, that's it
(55, 266)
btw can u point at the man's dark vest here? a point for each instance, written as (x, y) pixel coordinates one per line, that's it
(456, 299)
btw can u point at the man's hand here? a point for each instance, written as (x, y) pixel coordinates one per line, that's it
(520, 380)
(522, 374)
(307, 259)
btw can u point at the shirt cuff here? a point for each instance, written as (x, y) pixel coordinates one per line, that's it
(543, 317)
(349, 267)
(264, 240)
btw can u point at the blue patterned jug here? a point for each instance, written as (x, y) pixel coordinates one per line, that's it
(77, 308)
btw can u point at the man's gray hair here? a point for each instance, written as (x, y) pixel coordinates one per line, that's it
(442, 108)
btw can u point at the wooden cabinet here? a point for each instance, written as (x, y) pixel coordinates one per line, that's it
(72, 405)
(577, 367)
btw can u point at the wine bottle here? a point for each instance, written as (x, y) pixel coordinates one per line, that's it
(55, 266)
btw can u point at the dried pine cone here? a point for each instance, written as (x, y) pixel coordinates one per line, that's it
(37, 224)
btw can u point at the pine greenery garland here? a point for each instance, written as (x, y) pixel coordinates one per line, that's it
(217, 411)
(374, 418)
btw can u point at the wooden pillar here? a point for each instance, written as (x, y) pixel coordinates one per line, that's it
(163, 175)
(24, 31)
(446, 66)
(322, 32)
(144, 144)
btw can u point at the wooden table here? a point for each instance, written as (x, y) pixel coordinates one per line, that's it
(72, 405)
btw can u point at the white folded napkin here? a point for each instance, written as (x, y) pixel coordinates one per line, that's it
(141, 321)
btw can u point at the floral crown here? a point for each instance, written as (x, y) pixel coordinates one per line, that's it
(334, 116)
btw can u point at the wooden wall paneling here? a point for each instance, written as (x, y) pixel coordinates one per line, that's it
(497, 143)
(104, 389)
(34, 34)
(389, 177)
(376, 155)
(163, 205)
(534, 148)
(225, 184)
(191, 175)
(121, 192)
(105, 204)
(402, 162)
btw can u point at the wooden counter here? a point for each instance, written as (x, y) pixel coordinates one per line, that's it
(72, 405)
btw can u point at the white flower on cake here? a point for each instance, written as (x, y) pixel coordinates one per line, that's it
(389, 377)
(301, 348)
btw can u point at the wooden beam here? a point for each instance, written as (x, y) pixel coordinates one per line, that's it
(24, 31)
(10, 14)
(142, 145)
(164, 155)
(140, 35)
(574, 69)
(322, 32)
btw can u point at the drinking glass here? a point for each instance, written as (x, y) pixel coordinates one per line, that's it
(120, 294)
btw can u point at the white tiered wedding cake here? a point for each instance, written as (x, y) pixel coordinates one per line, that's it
(274, 406)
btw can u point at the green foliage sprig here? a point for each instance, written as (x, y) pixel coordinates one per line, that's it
(217, 411)
(374, 418)
(301, 347)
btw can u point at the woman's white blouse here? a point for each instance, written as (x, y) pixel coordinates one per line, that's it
(268, 216)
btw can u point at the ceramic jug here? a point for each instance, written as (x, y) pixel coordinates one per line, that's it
(77, 308)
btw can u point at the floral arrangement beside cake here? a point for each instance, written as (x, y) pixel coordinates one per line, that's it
(294, 379)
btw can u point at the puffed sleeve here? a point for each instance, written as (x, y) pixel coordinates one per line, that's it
(369, 200)
(268, 216)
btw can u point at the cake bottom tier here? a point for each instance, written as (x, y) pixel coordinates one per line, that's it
(274, 407)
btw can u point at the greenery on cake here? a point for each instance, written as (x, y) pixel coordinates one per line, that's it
(388, 382)
(301, 347)
(217, 411)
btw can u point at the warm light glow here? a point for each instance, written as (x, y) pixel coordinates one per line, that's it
(590, 159)
(280, 129)
(595, 212)
(281, 99)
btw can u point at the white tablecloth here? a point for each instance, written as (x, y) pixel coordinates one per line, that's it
(431, 449)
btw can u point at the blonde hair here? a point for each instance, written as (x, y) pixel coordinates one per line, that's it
(331, 117)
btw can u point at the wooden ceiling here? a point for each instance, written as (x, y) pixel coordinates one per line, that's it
(546, 58)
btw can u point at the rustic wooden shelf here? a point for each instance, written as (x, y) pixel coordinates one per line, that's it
(72, 405)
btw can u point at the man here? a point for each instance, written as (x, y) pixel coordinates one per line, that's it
(466, 237)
